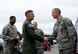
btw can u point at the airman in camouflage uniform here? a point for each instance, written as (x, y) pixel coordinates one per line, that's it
(65, 33)
(10, 37)
(39, 45)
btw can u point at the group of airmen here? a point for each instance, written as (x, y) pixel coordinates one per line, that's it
(33, 37)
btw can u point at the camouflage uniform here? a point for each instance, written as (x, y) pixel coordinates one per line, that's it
(66, 35)
(39, 45)
(9, 32)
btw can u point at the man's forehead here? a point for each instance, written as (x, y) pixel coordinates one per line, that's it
(54, 10)
(14, 18)
(30, 13)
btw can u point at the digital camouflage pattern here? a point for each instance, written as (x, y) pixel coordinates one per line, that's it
(65, 33)
(39, 45)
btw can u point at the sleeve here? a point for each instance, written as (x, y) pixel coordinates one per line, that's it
(42, 33)
(71, 32)
(19, 35)
(32, 34)
(5, 33)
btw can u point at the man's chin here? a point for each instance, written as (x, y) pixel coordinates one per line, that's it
(33, 19)
(54, 17)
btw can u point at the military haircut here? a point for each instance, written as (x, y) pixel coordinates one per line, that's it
(57, 9)
(28, 11)
(11, 17)
(35, 22)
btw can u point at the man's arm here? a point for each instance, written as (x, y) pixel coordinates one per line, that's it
(71, 32)
(20, 35)
(32, 34)
(5, 33)
(42, 33)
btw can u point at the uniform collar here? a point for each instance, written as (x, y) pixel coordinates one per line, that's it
(11, 25)
(28, 20)
(58, 21)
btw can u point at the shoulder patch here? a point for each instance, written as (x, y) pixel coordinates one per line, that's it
(30, 25)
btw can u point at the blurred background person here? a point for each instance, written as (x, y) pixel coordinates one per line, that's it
(39, 45)
(10, 37)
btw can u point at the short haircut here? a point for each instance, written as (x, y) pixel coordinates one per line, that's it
(28, 11)
(35, 22)
(11, 17)
(57, 10)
